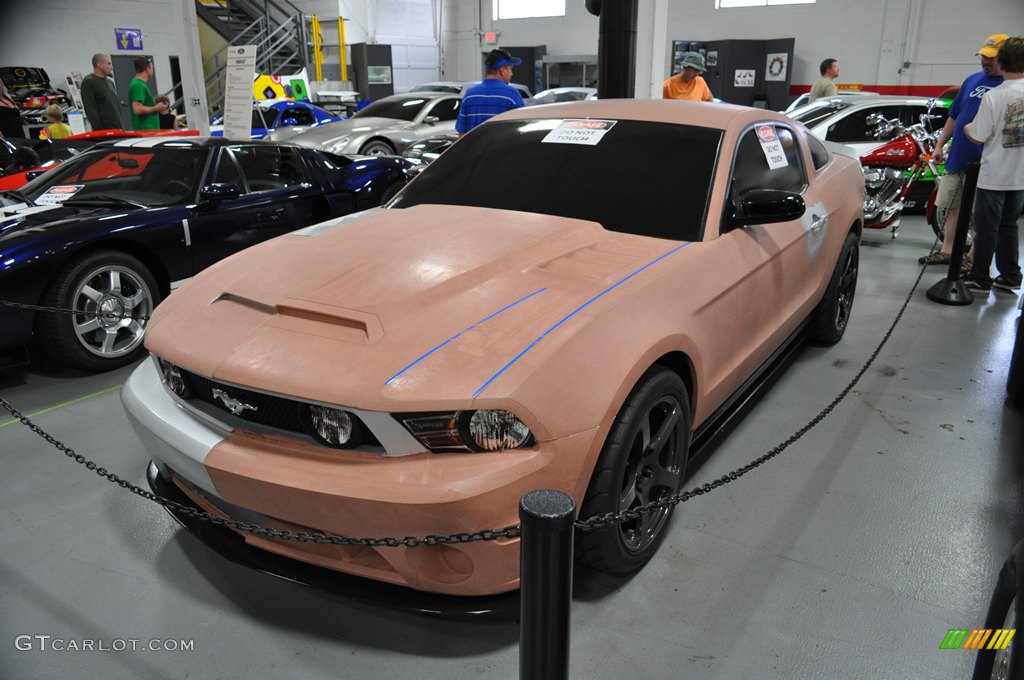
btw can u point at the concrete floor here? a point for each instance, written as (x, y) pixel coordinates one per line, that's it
(849, 556)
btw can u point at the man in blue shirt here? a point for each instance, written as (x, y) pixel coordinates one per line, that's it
(493, 95)
(963, 151)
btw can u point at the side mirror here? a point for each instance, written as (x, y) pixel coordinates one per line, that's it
(874, 119)
(430, 120)
(213, 194)
(767, 206)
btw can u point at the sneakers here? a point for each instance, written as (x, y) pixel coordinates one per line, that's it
(934, 258)
(1005, 284)
(974, 284)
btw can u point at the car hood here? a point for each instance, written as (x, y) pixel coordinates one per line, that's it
(404, 309)
(315, 136)
(22, 219)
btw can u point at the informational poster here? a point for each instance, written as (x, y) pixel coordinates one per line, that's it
(587, 132)
(743, 77)
(712, 58)
(775, 69)
(58, 194)
(772, 147)
(238, 92)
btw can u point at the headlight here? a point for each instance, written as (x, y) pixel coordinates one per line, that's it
(338, 145)
(467, 431)
(334, 427)
(173, 378)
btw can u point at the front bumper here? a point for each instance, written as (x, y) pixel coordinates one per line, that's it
(292, 485)
(232, 546)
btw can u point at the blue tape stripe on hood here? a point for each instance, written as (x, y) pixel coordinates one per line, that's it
(574, 313)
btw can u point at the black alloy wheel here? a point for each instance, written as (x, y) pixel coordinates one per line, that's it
(643, 461)
(832, 315)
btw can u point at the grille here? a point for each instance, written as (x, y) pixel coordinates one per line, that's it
(271, 411)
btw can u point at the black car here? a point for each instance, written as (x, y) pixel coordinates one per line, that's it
(110, 232)
(32, 91)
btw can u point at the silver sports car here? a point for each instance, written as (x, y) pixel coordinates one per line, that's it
(386, 126)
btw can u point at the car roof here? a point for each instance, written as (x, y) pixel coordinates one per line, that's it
(426, 94)
(702, 114)
(178, 142)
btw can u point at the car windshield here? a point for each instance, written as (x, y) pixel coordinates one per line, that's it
(403, 108)
(601, 171)
(815, 112)
(149, 177)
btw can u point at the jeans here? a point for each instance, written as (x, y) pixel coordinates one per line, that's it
(995, 231)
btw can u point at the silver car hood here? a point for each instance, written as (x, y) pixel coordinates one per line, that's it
(322, 134)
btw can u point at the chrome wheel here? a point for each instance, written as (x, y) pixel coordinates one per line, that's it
(105, 300)
(377, 148)
(1001, 664)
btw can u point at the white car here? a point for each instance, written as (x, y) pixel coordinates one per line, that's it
(844, 119)
(803, 99)
(562, 94)
(457, 87)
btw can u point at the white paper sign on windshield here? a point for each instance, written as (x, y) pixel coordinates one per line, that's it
(772, 147)
(579, 131)
(58, 194)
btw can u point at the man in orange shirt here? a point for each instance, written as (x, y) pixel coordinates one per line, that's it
(687, 84)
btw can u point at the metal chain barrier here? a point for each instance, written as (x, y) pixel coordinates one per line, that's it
(107, 316)
(590, 523)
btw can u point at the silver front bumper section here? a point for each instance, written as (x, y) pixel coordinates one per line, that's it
(171, 436)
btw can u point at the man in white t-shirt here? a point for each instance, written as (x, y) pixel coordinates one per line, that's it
(999, 125)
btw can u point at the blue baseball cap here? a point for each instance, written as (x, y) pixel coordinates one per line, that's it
(498, 58)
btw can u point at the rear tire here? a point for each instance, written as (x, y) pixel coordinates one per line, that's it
(643, 460)
(93, 283)
(830, 318)
(377, 147)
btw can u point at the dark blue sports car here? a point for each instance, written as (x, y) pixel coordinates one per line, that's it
(109, 233)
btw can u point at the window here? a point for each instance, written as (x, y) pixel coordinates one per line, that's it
(751, 170)
(227, 171)
(526, 9)
(296, 115)
(723, 4)
(854, 128)
(446, 109)
(666, 198)
(268, 167)
(819, 154)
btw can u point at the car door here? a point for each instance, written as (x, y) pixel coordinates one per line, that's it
(780, 263)
(275, 196)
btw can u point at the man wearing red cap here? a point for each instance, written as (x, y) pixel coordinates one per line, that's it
(962, 152)
(493, 95)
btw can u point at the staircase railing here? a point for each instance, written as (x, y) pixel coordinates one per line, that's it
(279, 33)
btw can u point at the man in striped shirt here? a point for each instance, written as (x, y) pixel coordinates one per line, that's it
(493, 95)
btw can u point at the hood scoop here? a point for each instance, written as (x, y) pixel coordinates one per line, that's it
(315, 318)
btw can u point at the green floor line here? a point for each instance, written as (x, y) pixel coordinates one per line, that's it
(66, 403)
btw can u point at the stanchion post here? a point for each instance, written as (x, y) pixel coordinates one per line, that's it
(951, 290)
(545, 584)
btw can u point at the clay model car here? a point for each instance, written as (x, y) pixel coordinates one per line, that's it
(112, 230)
(521, 316)
(387, 126)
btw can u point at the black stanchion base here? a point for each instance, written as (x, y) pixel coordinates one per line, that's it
(947, 292)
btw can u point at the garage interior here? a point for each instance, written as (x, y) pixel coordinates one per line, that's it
(849, 555)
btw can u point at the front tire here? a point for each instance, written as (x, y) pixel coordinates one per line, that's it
(830, 318)
(643, 460)
(94, 284)
(1004, 612)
